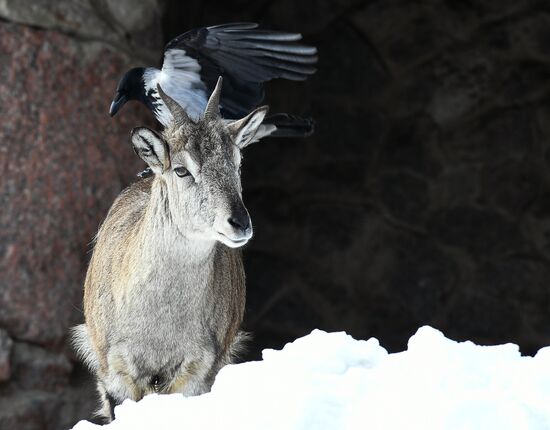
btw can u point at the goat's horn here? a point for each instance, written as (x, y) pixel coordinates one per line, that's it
(174, 107)
(212, 110)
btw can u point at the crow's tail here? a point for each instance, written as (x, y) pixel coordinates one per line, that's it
(290, 125)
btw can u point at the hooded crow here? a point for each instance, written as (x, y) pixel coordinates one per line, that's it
(244, 55)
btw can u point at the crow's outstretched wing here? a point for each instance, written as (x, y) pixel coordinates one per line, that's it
(244, 55)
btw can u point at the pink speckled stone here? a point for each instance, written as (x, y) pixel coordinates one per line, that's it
(5, 353)
(63, 161)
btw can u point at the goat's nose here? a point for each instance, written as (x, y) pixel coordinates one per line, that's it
(239, 221)
(239, 218)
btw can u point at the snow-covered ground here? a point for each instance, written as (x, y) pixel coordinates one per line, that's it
(331, 381)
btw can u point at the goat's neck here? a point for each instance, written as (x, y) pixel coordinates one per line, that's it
(162, 237)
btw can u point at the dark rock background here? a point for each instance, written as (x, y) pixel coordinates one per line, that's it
(423, 197)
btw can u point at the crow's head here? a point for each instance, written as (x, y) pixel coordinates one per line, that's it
(130, 87)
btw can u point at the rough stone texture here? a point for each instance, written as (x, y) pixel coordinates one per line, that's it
(424, 196)
(30, 410)
(36, 368)
(46, 408)
(64, 161)
(5, 352)
(120, 22)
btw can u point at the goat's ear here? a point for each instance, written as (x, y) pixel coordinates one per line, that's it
(244, 130)
(151, 148)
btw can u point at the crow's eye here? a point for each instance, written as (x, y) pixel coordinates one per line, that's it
(182, 172)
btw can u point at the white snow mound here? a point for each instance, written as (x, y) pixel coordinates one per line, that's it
(332, 381)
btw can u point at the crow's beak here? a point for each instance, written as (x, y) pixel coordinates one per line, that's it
(117, 103)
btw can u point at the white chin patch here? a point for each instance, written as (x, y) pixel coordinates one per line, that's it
(232, 243)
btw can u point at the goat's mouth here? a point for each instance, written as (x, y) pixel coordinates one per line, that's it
(231, 241)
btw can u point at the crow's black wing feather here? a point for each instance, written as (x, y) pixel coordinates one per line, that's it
(246, 57)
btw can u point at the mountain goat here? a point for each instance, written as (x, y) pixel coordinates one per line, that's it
(165, 288)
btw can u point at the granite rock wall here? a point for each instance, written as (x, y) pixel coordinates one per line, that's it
(422, 198)
(63, 161)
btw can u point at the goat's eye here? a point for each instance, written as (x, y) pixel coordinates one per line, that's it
(181, 172)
